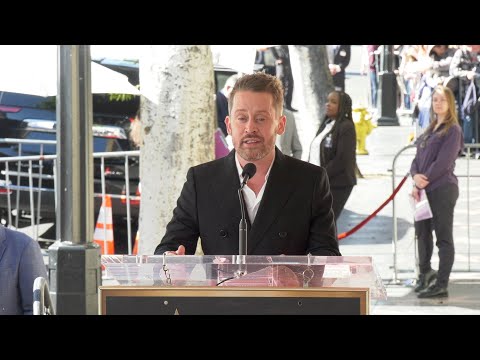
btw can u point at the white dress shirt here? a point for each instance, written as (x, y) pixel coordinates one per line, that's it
(314, 156)
(252, 201)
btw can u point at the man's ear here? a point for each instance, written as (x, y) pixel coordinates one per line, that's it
(229, 127)
(281, 125)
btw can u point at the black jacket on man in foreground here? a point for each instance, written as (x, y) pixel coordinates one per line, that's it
(295, 215)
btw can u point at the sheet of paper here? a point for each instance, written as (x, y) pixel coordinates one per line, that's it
(337, 271)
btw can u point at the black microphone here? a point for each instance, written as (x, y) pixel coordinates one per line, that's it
(248, 172)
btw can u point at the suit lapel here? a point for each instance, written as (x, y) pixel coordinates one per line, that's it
(225, 192)
(336, 50)
(280, 186)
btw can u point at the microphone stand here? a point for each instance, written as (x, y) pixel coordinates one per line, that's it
(242, 234)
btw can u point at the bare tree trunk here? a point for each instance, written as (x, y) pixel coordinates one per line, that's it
(312, 83)
(178, 124)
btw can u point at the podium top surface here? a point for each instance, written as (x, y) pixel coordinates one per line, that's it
(249, 271)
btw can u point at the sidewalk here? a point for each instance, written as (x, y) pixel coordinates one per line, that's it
(375, 238)
(464, 292)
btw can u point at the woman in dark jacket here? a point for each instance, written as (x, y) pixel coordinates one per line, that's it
(334, 148)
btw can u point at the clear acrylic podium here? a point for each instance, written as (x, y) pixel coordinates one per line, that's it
(231, 284)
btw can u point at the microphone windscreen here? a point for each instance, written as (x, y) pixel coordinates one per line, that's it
(249, 169)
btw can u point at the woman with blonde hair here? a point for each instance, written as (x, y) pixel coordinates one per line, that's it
(432, 171)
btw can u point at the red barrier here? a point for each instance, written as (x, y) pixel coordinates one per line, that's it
(359, 226)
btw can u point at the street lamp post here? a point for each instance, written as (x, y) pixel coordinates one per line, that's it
(74, 260)
(387, 92)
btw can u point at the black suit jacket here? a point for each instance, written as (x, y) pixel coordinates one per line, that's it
(295, 216)
(341, 57)
(339, 157)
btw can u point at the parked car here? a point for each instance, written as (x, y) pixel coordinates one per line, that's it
(33, 117)
(24, 116)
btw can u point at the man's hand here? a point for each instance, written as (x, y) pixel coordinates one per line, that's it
(333, 69)
(180, 251)
(421, 181)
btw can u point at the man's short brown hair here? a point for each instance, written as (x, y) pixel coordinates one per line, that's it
(259, 82)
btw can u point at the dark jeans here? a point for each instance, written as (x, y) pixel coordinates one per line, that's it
(442, 202)
(340, 196)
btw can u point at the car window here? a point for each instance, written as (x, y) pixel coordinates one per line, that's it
(125, 104)
(113, 104)
(25, 100)
(221, 78)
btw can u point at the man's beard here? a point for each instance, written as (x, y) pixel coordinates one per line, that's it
(253, 154)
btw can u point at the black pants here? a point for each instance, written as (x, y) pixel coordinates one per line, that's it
(442, 202)
(339, 81)
(340, 196)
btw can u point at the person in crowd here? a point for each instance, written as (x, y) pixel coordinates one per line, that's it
(21, 262)
(289, 143)
(221, 100)
(334, 148)
(288, 201)
(439, 67)
(465, 67)
(283, 71)
(432, 172)
(370, 66)
(338, 60)
(264, 61)
(410, 72)
(465, 62)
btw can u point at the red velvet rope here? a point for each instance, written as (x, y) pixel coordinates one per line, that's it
(359, 226)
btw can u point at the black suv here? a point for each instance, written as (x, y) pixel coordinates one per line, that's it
(32, 117)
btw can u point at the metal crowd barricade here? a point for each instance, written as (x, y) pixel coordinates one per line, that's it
(19, 143)
(394, 216)
(42, 302)
(8, 187)
(468, 176)
(102, 156)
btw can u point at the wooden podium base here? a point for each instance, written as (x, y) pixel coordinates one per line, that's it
(132, 300)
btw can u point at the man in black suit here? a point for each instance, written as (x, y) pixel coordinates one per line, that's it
(283, 70)
(338, 58)
(288, 201)
(221, 100)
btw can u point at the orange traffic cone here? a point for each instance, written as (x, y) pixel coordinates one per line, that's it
(103, 235)
(135, 246)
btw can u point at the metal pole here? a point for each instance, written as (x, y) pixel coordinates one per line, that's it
(394, 215)
(74, 260)
(387, 90)
(468, 205)
(127, 196)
